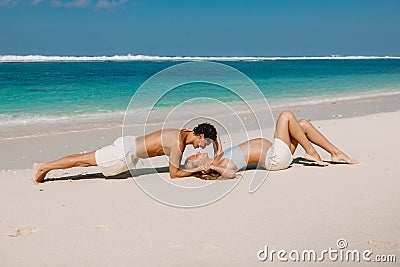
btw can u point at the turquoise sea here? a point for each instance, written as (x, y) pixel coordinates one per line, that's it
(62, 89)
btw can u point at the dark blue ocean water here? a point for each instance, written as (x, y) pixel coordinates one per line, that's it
(57, 90)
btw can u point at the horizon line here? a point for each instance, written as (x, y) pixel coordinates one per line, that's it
(130, 57)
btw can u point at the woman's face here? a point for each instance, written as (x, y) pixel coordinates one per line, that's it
(201, 158)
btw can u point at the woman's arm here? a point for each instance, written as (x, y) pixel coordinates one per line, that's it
(217, 150)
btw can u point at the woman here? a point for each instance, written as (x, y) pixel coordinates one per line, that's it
(278, 155)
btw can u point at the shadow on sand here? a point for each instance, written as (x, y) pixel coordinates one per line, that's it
(306, 162)
(124, 175)
(145, 171)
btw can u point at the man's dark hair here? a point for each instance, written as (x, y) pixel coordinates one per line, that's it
(207, 129)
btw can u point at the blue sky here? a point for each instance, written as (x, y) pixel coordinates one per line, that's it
(200, 28)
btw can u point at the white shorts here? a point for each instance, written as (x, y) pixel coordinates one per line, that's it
(118, 157)
(278, 156)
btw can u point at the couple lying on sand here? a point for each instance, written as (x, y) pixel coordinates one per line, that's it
(125, 152)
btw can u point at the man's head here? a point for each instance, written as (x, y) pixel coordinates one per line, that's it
(205, 133)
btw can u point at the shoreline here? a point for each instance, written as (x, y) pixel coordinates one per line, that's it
(344, 108)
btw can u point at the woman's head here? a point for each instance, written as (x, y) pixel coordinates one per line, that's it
(195, 160)
(200, 159)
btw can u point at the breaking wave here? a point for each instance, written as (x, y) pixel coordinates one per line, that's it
(129, 57)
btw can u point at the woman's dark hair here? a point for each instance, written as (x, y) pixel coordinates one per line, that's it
(207, 129)
(212, 175)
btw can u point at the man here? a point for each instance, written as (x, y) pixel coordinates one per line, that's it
(125, 152)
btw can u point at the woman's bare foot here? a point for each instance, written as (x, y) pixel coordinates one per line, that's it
(40, 171)
(341, 157)
(315, 157)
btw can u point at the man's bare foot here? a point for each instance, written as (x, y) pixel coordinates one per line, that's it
(341, 157)
(40, 172)
(315, 157)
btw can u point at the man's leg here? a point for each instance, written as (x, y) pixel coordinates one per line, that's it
(288, 128)
(76, 160)
(320, 140)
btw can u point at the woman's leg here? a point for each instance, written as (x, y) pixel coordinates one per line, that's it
(288, 130)
(320, 140)
(76, 160)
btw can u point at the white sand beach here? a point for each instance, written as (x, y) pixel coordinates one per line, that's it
(81, 80)
(112, 222)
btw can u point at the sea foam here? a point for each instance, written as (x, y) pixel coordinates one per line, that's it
(129, 57)
(117, 116)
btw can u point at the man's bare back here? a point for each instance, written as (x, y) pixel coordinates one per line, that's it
(160, 142)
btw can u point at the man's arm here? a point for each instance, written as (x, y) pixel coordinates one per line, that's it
(174, 163)
(179, 173)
